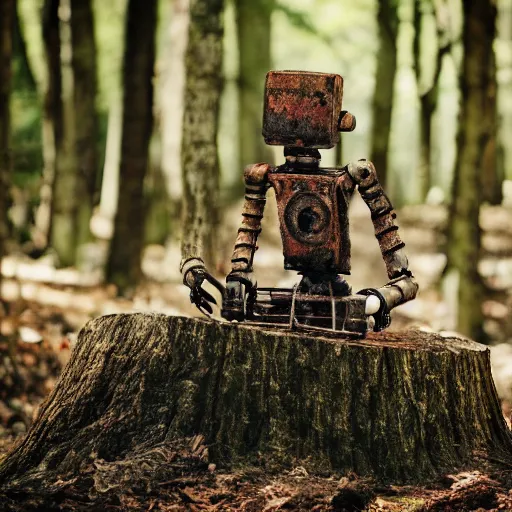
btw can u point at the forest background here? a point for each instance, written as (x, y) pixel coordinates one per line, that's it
(124, 122)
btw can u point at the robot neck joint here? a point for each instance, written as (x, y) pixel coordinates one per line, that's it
(303, 157)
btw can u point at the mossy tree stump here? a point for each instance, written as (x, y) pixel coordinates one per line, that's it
(400, 407)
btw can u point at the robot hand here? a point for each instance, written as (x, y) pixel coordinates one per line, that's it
(238, 287)
(377, 307)
(194, 275)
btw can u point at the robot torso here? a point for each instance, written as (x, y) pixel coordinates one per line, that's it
(312, 207)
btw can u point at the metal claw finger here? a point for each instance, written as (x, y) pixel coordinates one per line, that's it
(194, 297)
(206, 307)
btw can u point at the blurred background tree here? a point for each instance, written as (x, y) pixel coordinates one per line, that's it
(53, 117)
(7, 20)
(125, 149)
(382, 105)
(253, 25)
(124, 262)
(85, 92)
(64, 210)
(200, 161)
(432, 22)
(471, 178)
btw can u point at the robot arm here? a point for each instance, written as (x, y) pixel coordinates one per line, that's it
(402, 287)
(239, 281)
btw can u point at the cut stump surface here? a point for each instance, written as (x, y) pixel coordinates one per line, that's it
(400, 407)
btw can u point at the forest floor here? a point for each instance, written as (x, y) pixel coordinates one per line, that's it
(44, 309)
(186, 481)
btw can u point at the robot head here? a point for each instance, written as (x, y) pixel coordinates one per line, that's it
(303, 109)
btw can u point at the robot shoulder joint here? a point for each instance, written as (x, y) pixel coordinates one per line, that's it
(257, 174)
(363, 172)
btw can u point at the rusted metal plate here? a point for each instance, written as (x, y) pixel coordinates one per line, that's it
(330, 315)
(302, 109)
(314, 222)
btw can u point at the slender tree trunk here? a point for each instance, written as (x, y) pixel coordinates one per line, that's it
(492, 165)
(7, 11)
(124, 263)
(475, 128)
(53, 123)
(171, 101)
(253, 32)
(86, 118)
(505, 85)
(172, 87)
(110, 175)
(64, 234)
(26, 147)
(388, 22)
(428, 89)
(200, 163)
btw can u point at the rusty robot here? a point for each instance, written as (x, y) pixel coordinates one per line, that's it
(303, 112)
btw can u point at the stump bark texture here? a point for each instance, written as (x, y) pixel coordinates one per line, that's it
(402, 407)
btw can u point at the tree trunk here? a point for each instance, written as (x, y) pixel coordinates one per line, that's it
(124, 263)
(253, 32)
(474, 132)
(171, 92)
(110, 176)
(505, 85)
(86, 119)
(427, 77)
(25, 129)
(492, 164)
(7, 8)
(53, 117)
(387, 19)
(199, 158)
(400, 407)
(171, 97)
(64, 234)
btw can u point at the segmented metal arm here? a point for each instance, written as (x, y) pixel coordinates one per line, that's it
(256, 186)
(402, 287)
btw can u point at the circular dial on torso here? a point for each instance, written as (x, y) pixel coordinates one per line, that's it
(308, 218)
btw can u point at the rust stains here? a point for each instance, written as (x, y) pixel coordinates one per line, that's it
(302, 109)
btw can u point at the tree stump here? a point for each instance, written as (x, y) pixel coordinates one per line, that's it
(400, 407)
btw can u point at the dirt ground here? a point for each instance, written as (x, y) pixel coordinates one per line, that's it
(178, 477)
